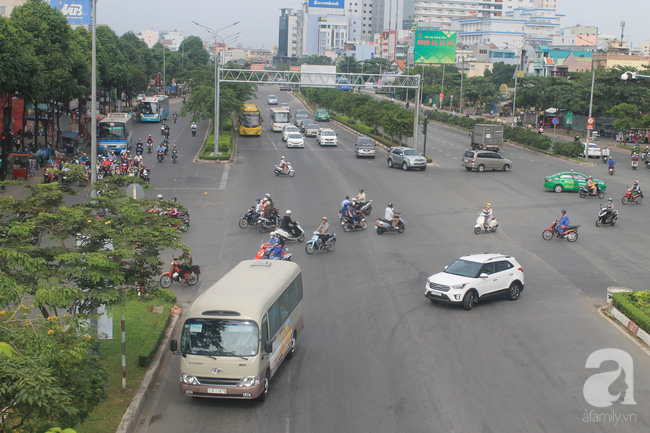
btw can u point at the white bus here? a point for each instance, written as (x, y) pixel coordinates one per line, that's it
(154, 108)
(279, 118)
(115, 132)
(237, 333)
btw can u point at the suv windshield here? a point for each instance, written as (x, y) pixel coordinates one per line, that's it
(365, 142)
(326, 132)
(220, 337)
(411, 152)
(464, 268)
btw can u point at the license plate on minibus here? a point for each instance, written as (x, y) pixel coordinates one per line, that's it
(216, 391)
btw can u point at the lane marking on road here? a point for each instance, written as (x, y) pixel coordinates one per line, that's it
(288, 426)
(224, 177)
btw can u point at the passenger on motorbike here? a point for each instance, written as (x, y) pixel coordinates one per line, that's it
(487, 214)
(562, 223)
(288, 224)
(345, 201)
(270, 213)
(267, 198)
(283, 165)
(605, 153)
(322, 229)
(350, 213)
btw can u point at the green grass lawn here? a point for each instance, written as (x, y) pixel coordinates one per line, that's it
(143, 330)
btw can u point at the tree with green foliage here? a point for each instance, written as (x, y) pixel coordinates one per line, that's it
(316, 60)
(625, 114)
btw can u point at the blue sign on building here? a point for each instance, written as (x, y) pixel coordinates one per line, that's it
(77, 12)
(333, 4)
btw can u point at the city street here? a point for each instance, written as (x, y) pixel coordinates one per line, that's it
(376, 355)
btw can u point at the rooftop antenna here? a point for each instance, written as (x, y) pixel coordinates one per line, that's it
(622, 32)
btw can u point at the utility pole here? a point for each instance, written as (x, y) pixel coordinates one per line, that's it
(462, 74)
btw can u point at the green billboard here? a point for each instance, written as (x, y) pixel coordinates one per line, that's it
(435, 46)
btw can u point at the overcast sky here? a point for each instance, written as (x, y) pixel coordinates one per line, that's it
(259, 18)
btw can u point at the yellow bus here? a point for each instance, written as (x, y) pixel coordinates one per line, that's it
(237, 333)
(250, 120)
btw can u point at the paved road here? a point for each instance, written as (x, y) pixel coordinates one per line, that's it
(376, 356)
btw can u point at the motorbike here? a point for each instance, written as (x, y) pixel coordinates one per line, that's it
(139, 150)
(174, 155)
(348, 224)
(249, 218)
(570, 233)
(264, 253)
(176, 214)
(635, 164)
(492, 224)
(300, 236)
(190, 276)
(386, 226)
(193, 132)
(162, 129)
(366, 208)
(144, 176)
(175, 118)
(165, 144)
(161, 156)
(604, 158)
(610, 170)
(604, 219)
(632, 197)
(314, 244)
(584, 192)
(290, 171)
(149, 146)
(267, 224)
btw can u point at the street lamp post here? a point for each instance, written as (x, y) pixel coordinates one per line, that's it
(215, 34)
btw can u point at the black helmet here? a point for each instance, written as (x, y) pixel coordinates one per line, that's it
(390, 204)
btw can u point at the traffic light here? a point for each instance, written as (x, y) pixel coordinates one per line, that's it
(158, 80)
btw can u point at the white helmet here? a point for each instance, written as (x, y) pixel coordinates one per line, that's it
(159, 197)
(288, 212)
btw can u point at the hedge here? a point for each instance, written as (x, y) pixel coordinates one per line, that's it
(225, 143)
(636, 306)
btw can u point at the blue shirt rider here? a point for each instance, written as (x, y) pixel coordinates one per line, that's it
(348, 212)
(276, 252)
(563, 222)
(611, 163)
(161, 148)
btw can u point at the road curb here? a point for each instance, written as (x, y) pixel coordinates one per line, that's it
(133, 412)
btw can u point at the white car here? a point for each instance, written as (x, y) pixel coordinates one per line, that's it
(288, 129)
(295, 139)
(273, 100)
(327, 137)
(475, 277)
(140, 97)
(593, 151)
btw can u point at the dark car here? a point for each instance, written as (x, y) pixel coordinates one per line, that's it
(364, 146)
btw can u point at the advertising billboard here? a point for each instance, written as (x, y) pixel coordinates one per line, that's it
(435, 46)
(332, 4)
(77, 12)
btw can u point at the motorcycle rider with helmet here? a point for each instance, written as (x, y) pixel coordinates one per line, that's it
(184, 263)
(193, 126)
(351, 213)
(562, 223)
(636, 189)
(322, 229)
(390, 215)
(487, 214)
(610, 208)
(592, 186)
(288, 224)
(611, 164)
(360, 199)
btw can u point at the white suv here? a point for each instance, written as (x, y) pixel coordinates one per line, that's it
(475, 277)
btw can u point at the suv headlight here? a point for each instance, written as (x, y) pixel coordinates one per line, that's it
(249, 381)
(458, 286)
(188, 379)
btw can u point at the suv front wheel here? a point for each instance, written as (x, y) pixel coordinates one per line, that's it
(390, 163)
(469, 300)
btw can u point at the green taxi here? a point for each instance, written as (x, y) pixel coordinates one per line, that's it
(322, 115)
(570, 181)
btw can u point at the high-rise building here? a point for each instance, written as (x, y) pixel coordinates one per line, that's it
(388, 15)
(283, 32)
(360, 13)
(150, 37)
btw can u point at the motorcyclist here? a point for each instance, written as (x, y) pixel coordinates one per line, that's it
(184, 263)
(390, 215)
(636, 189)
(610, 208)
(144, 174)
(194, 126)
(259, 207)
(322, 229)
(276, 251)
(604, 153)
(644, 155)
(592, 186)
(562, 223)
(283, 165)
(345, 201)
(175, 117)
(635, 160)
(270, 213)
(149, 139)
(288, 224)
(611, 164)
(576, 138)
(487, 215)
(139, 149)
(267, 198)
(166, 131)
(174, 151)
(360, 199)
(350, 213)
